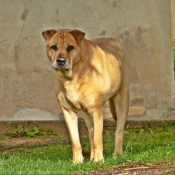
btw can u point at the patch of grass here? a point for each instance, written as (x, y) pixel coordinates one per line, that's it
(140, 146)
(1, 138)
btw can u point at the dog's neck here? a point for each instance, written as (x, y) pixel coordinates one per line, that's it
(85, 56)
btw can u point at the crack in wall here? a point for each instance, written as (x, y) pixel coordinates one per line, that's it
(22, 24)
(23, 17)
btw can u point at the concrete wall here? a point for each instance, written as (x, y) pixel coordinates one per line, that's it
(173, 19)
(26, 76)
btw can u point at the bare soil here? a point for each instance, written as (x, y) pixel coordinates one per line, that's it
(161, 168)
(164, 168)
(18, 143)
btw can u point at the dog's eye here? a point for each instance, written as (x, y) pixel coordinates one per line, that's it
(70, 47)
(54, 47)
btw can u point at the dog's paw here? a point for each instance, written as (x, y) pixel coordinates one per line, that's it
(78, 159)
(117, 153)
(98, 158)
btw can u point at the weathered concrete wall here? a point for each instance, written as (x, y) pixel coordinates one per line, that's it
(173, 18)
(26, 76)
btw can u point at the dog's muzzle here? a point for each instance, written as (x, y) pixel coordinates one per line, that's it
(61, 61)
(61, 64)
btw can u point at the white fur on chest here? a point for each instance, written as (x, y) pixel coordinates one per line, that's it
(74, 93)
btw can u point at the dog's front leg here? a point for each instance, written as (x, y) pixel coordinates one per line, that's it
(97, 115)
(71, 120)
(90, 126)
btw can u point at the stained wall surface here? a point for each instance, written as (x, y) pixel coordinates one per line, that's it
(26, 76)
(173, 19)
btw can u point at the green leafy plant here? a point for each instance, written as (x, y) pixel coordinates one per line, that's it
(32, 133)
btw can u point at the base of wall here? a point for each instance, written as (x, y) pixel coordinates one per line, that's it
(60, 126)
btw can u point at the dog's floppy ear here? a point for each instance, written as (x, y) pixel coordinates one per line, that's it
(47, 35)
(78, 35)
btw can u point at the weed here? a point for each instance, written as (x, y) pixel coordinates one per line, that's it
(32, 133)
(1, 138)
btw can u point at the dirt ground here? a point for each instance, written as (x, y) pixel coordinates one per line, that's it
(165, 168)
(139, 169)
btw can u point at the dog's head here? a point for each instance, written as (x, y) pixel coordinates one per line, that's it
(63, 47)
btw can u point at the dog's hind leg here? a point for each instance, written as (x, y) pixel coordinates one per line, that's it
(113, 109)
(121, 100)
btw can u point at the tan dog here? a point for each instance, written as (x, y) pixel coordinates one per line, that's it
(88, 73)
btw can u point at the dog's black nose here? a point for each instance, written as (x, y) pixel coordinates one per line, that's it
(61, 61)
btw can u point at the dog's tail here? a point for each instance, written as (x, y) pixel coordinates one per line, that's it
(113, 109)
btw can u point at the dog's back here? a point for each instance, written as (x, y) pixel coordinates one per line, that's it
(114, 47)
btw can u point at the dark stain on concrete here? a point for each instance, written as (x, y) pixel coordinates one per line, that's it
(24, 15)
(136, 101)
(114, 4)
(102, 33)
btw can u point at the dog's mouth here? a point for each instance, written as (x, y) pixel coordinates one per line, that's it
(59, 68)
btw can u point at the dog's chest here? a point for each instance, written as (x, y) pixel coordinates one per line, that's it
(75, 93)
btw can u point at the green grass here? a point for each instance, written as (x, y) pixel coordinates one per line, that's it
(140, 145)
